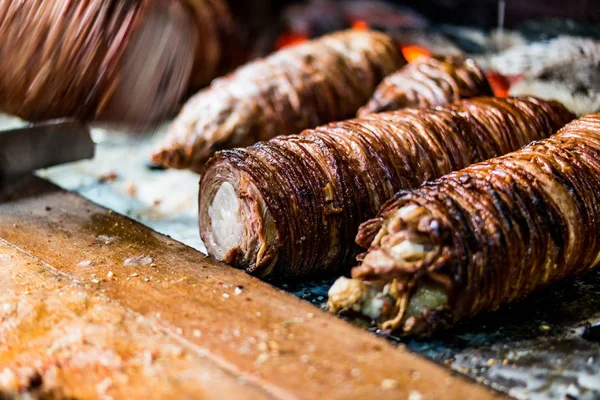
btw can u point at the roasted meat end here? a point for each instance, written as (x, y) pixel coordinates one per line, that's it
(236, 226)
(394, 286)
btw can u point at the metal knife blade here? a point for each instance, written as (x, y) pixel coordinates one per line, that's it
(43, 145)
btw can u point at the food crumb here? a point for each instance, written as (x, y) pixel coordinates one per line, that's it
(414, 395)
(491, 362)
(197, 333)
(110, 275)
(225, 296)
(134, 275)
(544, 327)
(132, 190)
(85, 263)
(389, 384)
(137, 261)
(103, 386)
(95, 280)
(238, 290)
(108, 177)
(262, 358)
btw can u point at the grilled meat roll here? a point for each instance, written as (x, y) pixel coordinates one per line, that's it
(480, 237)
(429, 82)
(292, 206)
(110, 60)
(296, 88)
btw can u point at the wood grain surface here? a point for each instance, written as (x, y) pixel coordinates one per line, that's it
(95, 305)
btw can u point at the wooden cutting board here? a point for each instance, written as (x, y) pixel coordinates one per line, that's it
(95, 305)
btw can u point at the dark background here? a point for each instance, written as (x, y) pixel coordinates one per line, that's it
(483, 13)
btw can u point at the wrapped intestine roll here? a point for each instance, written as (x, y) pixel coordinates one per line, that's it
(292, 206)
(296, 88)
(427, 82)
(480, 237)
(126, 61)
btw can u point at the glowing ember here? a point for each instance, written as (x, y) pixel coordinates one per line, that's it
(411, 53)
(360, 25)
(500, 84)
(289, 39)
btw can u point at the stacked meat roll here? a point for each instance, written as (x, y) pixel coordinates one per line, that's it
(218, 42)
(110, 60)
(301, 87)
(480, 237)
(292, 206)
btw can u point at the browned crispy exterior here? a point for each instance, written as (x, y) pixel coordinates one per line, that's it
(218, 41)
(303, 196)
(496, 231)
(65, 58)
(296, 88)
(429, 82)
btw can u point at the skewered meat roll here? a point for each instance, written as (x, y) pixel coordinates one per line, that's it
(477, 238)
(292, 206)
(109, 60)
(429, 82)
(296, 88)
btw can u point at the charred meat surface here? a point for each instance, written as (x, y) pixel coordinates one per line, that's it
(296, 88)
(486, 235)
(218, 41)
(116, 60)
(291, 206)
(429, 82)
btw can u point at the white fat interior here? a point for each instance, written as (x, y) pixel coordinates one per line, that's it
(407, 212)
(427, 295)
(356, 295)
(226, 220)
(407, 250)
(373, 306)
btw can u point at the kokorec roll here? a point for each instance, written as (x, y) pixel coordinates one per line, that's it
(300, 87)
(480, 237)
(429, 81)
(125, 61)
(292, 206)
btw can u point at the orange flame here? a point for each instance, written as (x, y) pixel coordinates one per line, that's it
(289, 39)
(411, 53)
(360, 25)
(500, 84)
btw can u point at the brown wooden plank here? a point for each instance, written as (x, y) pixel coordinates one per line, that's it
(59, 338)
(256, 332)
